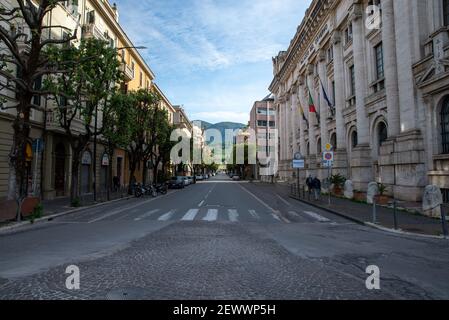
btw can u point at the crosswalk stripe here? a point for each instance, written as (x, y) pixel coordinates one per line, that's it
(276, 217)
(167, 216)
(233, 215)
(316, 216)
(190, 215)
(212, 215)
(254, 214)
(146, 215)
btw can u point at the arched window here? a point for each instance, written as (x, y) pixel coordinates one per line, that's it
(334, 141)
(354, 139)
(446, 12)
(318, 146)
(444, 116)
(308, 149)
(382, 133)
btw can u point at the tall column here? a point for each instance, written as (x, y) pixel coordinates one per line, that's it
(312, 121)
(324, 108)
(340, 100)
(360, 74)
(302, 123)
(391, 70)
(404, 44)
(294, 118)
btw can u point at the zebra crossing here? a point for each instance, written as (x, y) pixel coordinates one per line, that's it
(223, 215)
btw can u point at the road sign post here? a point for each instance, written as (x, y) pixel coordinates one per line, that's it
(328, 160)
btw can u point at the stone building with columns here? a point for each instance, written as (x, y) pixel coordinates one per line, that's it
(383, 66)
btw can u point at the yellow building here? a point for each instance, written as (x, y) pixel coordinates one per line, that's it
(93, 18)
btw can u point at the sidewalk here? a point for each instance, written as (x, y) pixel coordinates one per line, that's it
(60, 206)
(408, 218)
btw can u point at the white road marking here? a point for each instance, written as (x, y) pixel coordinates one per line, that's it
(190, 215)
(212, 215)
(254, 214)
(276, 217)
(274, 212)
(113, 213)
(233, 215)
(284, 201)
(201, 204)
(146, 215)
(316, 216)
(167, 216)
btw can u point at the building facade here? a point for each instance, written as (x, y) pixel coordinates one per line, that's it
(50, 164)
(377, 73)
(262, 123)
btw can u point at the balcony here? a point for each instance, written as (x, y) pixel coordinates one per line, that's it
(128, 72)
(91, 31)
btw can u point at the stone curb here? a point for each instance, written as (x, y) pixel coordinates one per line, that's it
(369, 224)
(18, 225)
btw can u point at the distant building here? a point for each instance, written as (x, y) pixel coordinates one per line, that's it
(262, 120)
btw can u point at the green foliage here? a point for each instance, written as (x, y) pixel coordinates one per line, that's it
(382, 188)
(76, 203)
(337, 180)
(38, 212)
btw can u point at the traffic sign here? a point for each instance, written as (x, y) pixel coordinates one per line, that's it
(329, 147)
(328, 156)
(298, 156)
(298, 164)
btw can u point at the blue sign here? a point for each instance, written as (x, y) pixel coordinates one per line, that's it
(298, 164)
(38, 146)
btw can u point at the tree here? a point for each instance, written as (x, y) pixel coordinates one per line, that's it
(146, 103)
(81, 93)
(23, 63)
(117, 126)
(164, 146)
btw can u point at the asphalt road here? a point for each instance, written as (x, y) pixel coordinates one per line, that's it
(217, 240)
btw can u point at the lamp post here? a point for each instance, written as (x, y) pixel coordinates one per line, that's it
(96, 129)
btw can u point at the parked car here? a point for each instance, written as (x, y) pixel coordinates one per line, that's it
(190, 179)
(236, 178)
(186, 181)
(176, 183)
(199, 177)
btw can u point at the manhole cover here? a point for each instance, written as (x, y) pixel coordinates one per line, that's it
(127, 294)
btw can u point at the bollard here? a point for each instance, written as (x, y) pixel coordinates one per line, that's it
(444, 222)
(395, 215)
(374, 211)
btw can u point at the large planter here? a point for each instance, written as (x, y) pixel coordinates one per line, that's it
(338, 191)
(359, 196)
(382, 200)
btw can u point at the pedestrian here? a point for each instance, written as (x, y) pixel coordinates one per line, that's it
(309, 183)
(316, 188)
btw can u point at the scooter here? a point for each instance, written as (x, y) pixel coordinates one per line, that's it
(161, 188)
(150, 191)
(139, 190)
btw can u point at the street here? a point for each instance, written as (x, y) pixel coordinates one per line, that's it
(217, 239)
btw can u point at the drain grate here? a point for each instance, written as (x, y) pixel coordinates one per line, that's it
(127, 294)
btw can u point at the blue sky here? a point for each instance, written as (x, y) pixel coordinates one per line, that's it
(212, 57)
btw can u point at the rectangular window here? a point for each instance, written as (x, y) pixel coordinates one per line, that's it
(379, 55)
(37, 87)
(352, 80)
(348, 34)
(141, 79)
(446, 12)
(262, 123)
(91, 17)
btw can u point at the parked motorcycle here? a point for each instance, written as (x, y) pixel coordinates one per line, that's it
(150, 190)
(161, 188)
(139, 190)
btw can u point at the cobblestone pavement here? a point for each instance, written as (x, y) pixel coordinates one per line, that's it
(197, 260)
(217, 240)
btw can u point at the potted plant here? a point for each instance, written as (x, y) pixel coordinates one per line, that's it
(381, 198)
(359, 195)
(338, 181)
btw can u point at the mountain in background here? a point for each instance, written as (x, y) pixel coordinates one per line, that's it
(222, 126)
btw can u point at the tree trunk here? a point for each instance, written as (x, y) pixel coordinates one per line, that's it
(109, 182)
(74, 190)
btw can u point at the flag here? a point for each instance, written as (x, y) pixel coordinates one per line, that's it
(325, 96)
(303, 115)
(312, 108)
